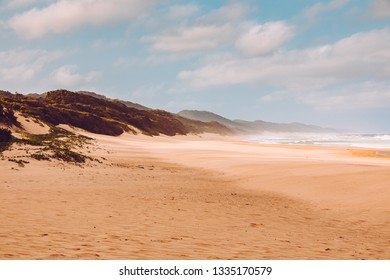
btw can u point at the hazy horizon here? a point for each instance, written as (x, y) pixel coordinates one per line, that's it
(325, 63)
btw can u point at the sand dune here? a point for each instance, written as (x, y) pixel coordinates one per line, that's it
(198, 198)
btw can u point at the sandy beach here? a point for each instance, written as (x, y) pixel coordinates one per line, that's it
(198, 197)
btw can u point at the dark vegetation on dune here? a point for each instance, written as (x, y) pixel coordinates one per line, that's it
(58, 144)
(5, 135)
(7, 118)
(5, 139)
(103, 116)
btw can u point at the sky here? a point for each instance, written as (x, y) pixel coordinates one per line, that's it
(317, 62)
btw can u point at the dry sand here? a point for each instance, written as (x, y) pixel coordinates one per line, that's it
(198, 198)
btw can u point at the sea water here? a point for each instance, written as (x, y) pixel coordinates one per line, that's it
(381, 141)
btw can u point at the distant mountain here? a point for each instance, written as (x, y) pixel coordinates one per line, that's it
(206, 116)
(100, 115)
(283, 127)
(248, 127)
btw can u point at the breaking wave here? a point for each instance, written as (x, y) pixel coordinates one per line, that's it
(339, 140)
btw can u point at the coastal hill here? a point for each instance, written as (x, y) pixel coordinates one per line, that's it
(101, 115)
(253, 127)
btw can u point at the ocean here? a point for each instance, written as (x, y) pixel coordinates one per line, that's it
(380, 141)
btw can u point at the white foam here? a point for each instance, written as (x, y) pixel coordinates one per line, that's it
(339, 140)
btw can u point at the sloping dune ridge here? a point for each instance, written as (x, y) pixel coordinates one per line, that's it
(197, 197)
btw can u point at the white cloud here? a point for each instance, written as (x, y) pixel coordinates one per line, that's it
(265, 38)
(20, 65)
(362, 57)
(320, 7)
(180, 11)
(201, 33)
(380, 8)
(64, 15)
(188, 39)
(350, 97)
(273, 96)
(16, 4)
(67, 76)
(232, 12)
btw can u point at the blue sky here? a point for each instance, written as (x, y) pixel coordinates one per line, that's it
(318, 62)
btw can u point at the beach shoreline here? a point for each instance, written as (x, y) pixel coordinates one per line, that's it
(198, 197)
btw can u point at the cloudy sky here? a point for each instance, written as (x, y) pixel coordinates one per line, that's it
(319, 62)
